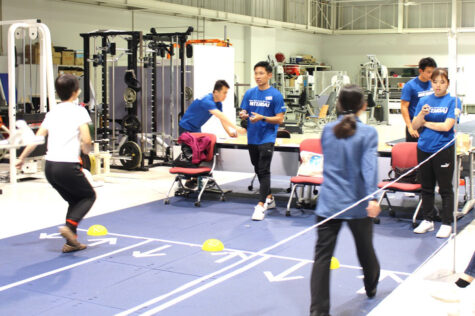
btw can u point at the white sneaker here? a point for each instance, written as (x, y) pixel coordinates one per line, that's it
(444, 231)
(259, 213)
(424, 227)
(270, 203)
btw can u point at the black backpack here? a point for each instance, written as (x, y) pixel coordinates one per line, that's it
(412, 177)
(184, 159)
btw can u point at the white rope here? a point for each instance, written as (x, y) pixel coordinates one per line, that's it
(384, 187)
(263, 251)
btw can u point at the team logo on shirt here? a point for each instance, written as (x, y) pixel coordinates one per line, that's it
(421, 94)
(269, 97)
(260, 103)
(439, 110)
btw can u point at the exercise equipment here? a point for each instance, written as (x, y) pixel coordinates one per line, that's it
(131, 155)
(163, 45)
(20, 30)
(377, 90)
(212, 245)
(328, 110)
(105, 127)
(334, 263)
(97, 230)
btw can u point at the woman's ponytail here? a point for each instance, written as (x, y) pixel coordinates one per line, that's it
(350, 101)
(346, 128)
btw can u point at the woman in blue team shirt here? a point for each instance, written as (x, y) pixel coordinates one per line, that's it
(350, 172)
(436, 114)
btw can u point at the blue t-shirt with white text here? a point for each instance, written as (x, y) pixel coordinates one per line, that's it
(267, 102)
(441, 108)
(413, 90)
(198, 113)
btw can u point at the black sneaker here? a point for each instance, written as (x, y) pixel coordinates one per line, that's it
(191, 184)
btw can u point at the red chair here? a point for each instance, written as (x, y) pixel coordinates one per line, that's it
(403, 156)
(313, 145)
(204, 174)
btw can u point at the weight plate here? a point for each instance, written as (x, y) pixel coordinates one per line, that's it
(188, 94)
(131, 124)
(132, 151)
(130, 95)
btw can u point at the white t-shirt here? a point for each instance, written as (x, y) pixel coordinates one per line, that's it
(62, 123)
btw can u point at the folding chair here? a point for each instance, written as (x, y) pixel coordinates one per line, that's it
(403, 156)
(203, 173)
(313, 145)
(281, 133)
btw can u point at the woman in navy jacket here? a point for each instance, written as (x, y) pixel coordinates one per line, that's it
(350, 174)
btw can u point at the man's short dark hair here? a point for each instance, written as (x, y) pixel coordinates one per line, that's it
(427, 62)
(264, 64)
(220, 84)
(66, 85)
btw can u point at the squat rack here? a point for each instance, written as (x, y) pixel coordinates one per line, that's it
(131, 150)
(163, 44)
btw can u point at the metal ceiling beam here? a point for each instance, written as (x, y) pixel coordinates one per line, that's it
(168, 8)
(214, 15)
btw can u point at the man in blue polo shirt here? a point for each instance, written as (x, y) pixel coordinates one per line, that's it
(200, 111)
(263, 107)
(412, 91)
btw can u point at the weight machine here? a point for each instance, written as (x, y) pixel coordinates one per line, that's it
(163, 45)
(142, 54)
(20, 30)
(328, 111)
(377, 90)
(129, 148)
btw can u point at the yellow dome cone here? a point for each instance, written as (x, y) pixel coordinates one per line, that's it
(212, 245)
(334, 263)
(97, 230)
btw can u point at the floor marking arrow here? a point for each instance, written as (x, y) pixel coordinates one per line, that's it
(111, 241)
(50, 236)
(230, 255)
(283, 276)
(150, 253)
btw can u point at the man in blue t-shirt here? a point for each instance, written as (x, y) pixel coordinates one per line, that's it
(200, 111)
(412, 91)
(263, 107)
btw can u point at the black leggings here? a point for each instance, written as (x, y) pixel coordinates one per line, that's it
(70, 182)
(261, 158)
(441, 169)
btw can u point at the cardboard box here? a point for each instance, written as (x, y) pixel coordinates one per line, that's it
(56, 60)
(35, 54)
(67, 57)
(79, 59)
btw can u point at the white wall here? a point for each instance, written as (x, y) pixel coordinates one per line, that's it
(66, 20)
(347, 52)
(342, 52)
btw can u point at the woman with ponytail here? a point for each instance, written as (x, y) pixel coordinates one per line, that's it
(350, 174)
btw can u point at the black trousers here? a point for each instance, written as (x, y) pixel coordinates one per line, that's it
(362, 230)
(441, 169)
(181, 130)
(70, 182)
(261, 158)
(409, 137)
